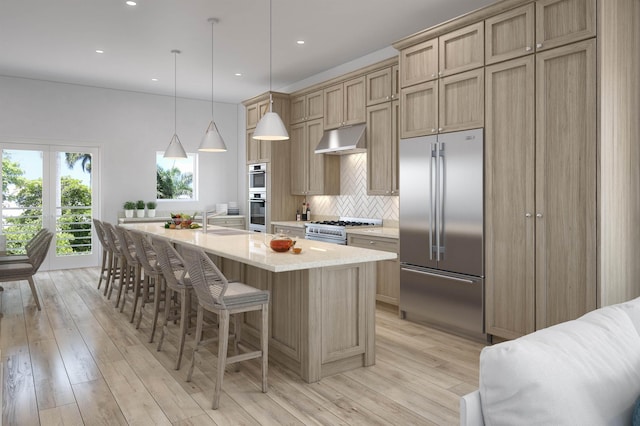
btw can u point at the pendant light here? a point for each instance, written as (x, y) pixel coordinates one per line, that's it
(212, 140)
(175, 149)
(270, 127)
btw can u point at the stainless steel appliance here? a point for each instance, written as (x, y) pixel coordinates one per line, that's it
(258, 177)
(258, 211)
(335, 231)
(441, 231)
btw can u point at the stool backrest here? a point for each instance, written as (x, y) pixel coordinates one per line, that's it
(111, 238)
(170, 262)
(39, 252)
(207, 280)
(127, 245)
(145, 252)
(100, 233)
(41, 234)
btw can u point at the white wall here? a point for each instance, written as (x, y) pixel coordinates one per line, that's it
(129, 128)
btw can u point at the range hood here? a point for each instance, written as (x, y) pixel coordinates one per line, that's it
(344, 140)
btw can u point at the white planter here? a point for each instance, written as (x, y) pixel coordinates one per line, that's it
(151, 213)
(140, 213)
(128, 213)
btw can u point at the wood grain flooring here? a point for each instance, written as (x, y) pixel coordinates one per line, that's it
(80, 361)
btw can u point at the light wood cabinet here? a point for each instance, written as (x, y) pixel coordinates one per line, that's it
(252, 116)
(419, 63)
(449, 104)
(259, 151)
(560, 22)
(566, 255)
(387, 271)
(344, 103)
(382, 86)
(382, 149)
(307, 107)
(461, 101)
(311, 173)
(461, 50)
(295, 232)
(236, 222)
(541, 190)
(510, 34)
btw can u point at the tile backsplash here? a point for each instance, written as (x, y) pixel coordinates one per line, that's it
(354, 201)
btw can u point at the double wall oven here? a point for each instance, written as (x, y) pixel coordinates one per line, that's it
(258, 197)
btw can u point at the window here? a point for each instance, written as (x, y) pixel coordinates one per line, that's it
(176, 179)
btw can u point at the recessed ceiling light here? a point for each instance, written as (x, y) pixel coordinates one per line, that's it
(238, 74)
(131, 3)
(99, 51)
(300, 41)
(154, 79)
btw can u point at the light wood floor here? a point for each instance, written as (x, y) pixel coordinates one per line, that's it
(80, 361)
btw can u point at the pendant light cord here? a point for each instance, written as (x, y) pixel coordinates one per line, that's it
(270, 53)
(175, 92)
(212, 24)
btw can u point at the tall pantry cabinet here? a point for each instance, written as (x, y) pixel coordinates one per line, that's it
(562, 182)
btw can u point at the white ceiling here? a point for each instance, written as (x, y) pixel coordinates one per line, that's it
(56, 40)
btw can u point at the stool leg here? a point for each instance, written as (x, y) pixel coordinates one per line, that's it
(164, 329)
(199, 321)
(157, 290)
(223, 341)
(34, 292)
(237, 331)
(184, 314)
(264, 344)
(103, 267)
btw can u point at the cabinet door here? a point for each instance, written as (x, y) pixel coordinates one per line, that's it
(419, 109)
(395, 82)
(253, 148)
(379, 147)
(509, 194)
(388, 281)
(379, 86)
(252, 116)
(510, 34)
(299, 158)
(320, 166)
(461, 50)
(314, 105)
(461, 103)
(333, 106)
(419, 63)
(263, 108)
(566, 255)
(560, 22)
(355, 111)
(298, 111)
(395, 141)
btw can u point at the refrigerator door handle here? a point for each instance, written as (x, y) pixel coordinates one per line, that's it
(441, 188)
(433, 166)
(449, 277)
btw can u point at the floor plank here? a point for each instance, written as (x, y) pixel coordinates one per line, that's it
(80, 361)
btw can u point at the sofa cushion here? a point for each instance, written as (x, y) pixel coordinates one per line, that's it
(584, 372)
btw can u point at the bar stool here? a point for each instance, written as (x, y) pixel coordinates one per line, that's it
(132, 273)
(177, 283)
(153, 278)
(224, 298)
(118, 262)
(106, 253)
(31, 244)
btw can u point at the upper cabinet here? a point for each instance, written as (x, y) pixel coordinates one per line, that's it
(419, 63)
(560, 22)
(307, 107)
(382, 85)
(461, 50)
(510, 34)
(382, 148)
(344, 103)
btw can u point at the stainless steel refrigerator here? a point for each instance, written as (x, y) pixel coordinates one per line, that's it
(441, 231)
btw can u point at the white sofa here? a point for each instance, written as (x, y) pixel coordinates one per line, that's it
(581, 372)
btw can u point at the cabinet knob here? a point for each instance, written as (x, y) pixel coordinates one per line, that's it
(440, 129)
(372, 242)
(439, 73)
(433, 75)
(538, 45)
(433, 130)
(527, 49)
(393, 96)
(538, 215)
(527, 215)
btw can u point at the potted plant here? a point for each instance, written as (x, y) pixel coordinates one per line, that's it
(140, 208)
(129, 206)
(151, 208)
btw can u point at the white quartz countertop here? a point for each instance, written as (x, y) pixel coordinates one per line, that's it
(385, 232)
(253, 248)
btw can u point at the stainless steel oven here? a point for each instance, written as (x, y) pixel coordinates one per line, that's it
(258, 177)
(258, 211)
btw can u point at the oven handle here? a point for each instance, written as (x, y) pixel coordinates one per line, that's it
(257, 172)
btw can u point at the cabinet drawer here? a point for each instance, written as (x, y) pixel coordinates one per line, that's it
(375, 243)
(291, 231)
(228, 222)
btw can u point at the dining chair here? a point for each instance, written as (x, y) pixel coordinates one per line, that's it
(26, 270)
(223, 298)
(177, 284)
(153, 278)
(17, 258)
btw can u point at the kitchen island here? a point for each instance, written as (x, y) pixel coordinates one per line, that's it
(322, 313)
